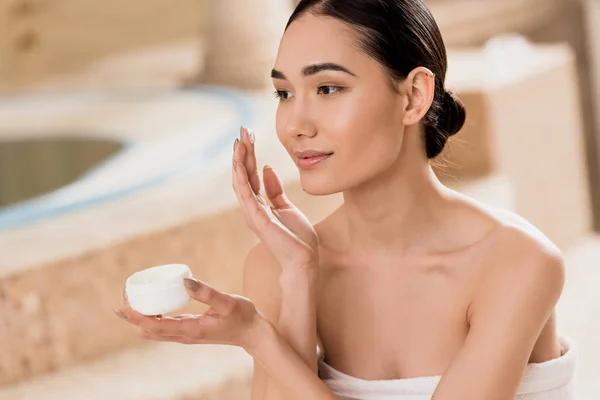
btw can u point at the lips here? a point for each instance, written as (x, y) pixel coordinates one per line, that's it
(310, 158)
(311, 153)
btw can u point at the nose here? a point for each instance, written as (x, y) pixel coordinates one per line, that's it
(299, 120)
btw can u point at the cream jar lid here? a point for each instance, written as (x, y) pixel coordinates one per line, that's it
(161, 276)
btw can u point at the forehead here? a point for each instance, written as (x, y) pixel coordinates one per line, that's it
(313, 39)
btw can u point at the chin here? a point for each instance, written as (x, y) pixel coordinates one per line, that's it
(319, 185)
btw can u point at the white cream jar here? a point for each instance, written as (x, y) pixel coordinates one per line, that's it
(158, 290)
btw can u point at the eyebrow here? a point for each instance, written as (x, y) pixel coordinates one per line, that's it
(313, 69)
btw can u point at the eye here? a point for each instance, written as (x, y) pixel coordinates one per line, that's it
(282, 94)
(329, 90)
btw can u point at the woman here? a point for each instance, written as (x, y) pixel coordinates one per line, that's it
(411, 289)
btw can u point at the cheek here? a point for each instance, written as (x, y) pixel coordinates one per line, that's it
(366, 129)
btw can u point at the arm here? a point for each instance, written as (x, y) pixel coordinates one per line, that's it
(234, 320)
(279, 297)
(297, 322)
(295, 379)
(507, 314)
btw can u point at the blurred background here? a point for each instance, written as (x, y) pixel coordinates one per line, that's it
(116, 126)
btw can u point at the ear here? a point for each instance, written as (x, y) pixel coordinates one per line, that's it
(419, 88)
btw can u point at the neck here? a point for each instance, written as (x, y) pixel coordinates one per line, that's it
(398, 211)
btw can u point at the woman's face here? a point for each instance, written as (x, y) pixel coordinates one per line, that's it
(338, 117)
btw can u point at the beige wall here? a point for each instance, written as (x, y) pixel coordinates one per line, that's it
(570, 26)
(42, 38)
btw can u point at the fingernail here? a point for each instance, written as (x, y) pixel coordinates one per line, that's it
(125, 294)
(120, 314)
(267, 167)
(241, 132)
(191, 284)
(250, 136)
(235, 143)
(234, 165)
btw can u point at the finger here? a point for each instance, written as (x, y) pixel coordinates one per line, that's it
(248, 139)
(184, 316)
(200, 328)
(144, 334)
(193, 328)
(239, 174)
(157, 325)
(240, 151)
(254, 206)
(274, 188)
(222, 303)
(197, 339)
(244, 190)
(233, 169)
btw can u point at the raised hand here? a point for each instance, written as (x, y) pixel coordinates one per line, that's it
(287, 233)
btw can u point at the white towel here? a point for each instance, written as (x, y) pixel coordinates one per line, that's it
(550, 380)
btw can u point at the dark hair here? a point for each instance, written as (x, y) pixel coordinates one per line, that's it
(402, 35)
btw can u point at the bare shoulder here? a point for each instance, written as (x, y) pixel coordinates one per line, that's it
(521, 257)
(261, 281)
(519, 240)
(521, 280)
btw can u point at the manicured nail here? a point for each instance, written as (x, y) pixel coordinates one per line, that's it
(235, 143)
(120, 314)
(191, 284)
(125, 294)
(234, 165)
(241, 132)
(266, 167)
(251, 136)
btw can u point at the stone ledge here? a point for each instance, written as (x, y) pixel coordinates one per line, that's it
(161, 371)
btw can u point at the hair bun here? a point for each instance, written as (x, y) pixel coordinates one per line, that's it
(453, 114)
